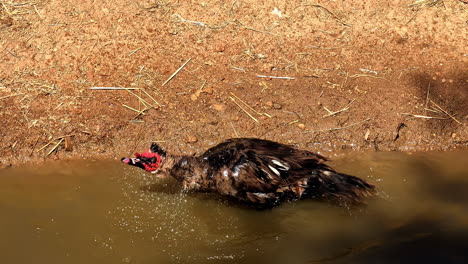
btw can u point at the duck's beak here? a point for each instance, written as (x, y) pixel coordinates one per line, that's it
(130, 161)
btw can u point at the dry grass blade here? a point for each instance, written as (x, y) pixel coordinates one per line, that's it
(140, 112)
(427, 97)
(37, 11)
(367, 75)
(128, 90)
(52, 141)
(141, 99)
(55, 147)
(245, 111)
(134, 51)
(198, 23)
(423, 116)
(237, 68)
(112, 88)
(331, 113)
(256, 30)
(48, 143)
(445, 112)
(433, 110)
(235, 96)
(176, 72)
(6, 9)
(276, 77)
(151, 97)
(235, 131)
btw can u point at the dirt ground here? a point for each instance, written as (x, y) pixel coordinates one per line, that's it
(328, 76)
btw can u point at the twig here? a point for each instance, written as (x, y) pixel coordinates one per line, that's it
(276, 77)
(176, 72)
(245, 111)
(445, 112)
(337, 128)
(56, 145)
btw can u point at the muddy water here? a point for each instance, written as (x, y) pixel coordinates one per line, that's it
(105, 212)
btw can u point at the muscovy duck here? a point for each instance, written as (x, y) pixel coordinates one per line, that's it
(257, 172)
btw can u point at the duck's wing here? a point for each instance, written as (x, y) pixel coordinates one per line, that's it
(256, 165)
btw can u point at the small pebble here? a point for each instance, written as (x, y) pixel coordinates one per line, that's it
(191, 139)
(277, 106)
(219, 107)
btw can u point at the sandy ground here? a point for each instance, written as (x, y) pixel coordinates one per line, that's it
(352, 75)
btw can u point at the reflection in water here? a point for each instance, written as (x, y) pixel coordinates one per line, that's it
(105, 212)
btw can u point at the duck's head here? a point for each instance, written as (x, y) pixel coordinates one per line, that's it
(149, 160)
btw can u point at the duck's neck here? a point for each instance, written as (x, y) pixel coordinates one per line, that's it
(169, 161)
(189, 170)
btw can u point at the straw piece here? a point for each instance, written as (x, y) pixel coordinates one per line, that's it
(245, 111)
(423, 116)
(141, 99)
(134, 51)
(56, 145)
(113, 88)
(331, 113)
(237, 68)
(276, 77)
(127, 89)
(151, 97)
(176, 72)
(246, 104)
(233, 128)
(133, 109)
(37, 11)
(445, 112)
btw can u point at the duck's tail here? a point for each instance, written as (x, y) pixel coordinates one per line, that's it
(340, 188)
